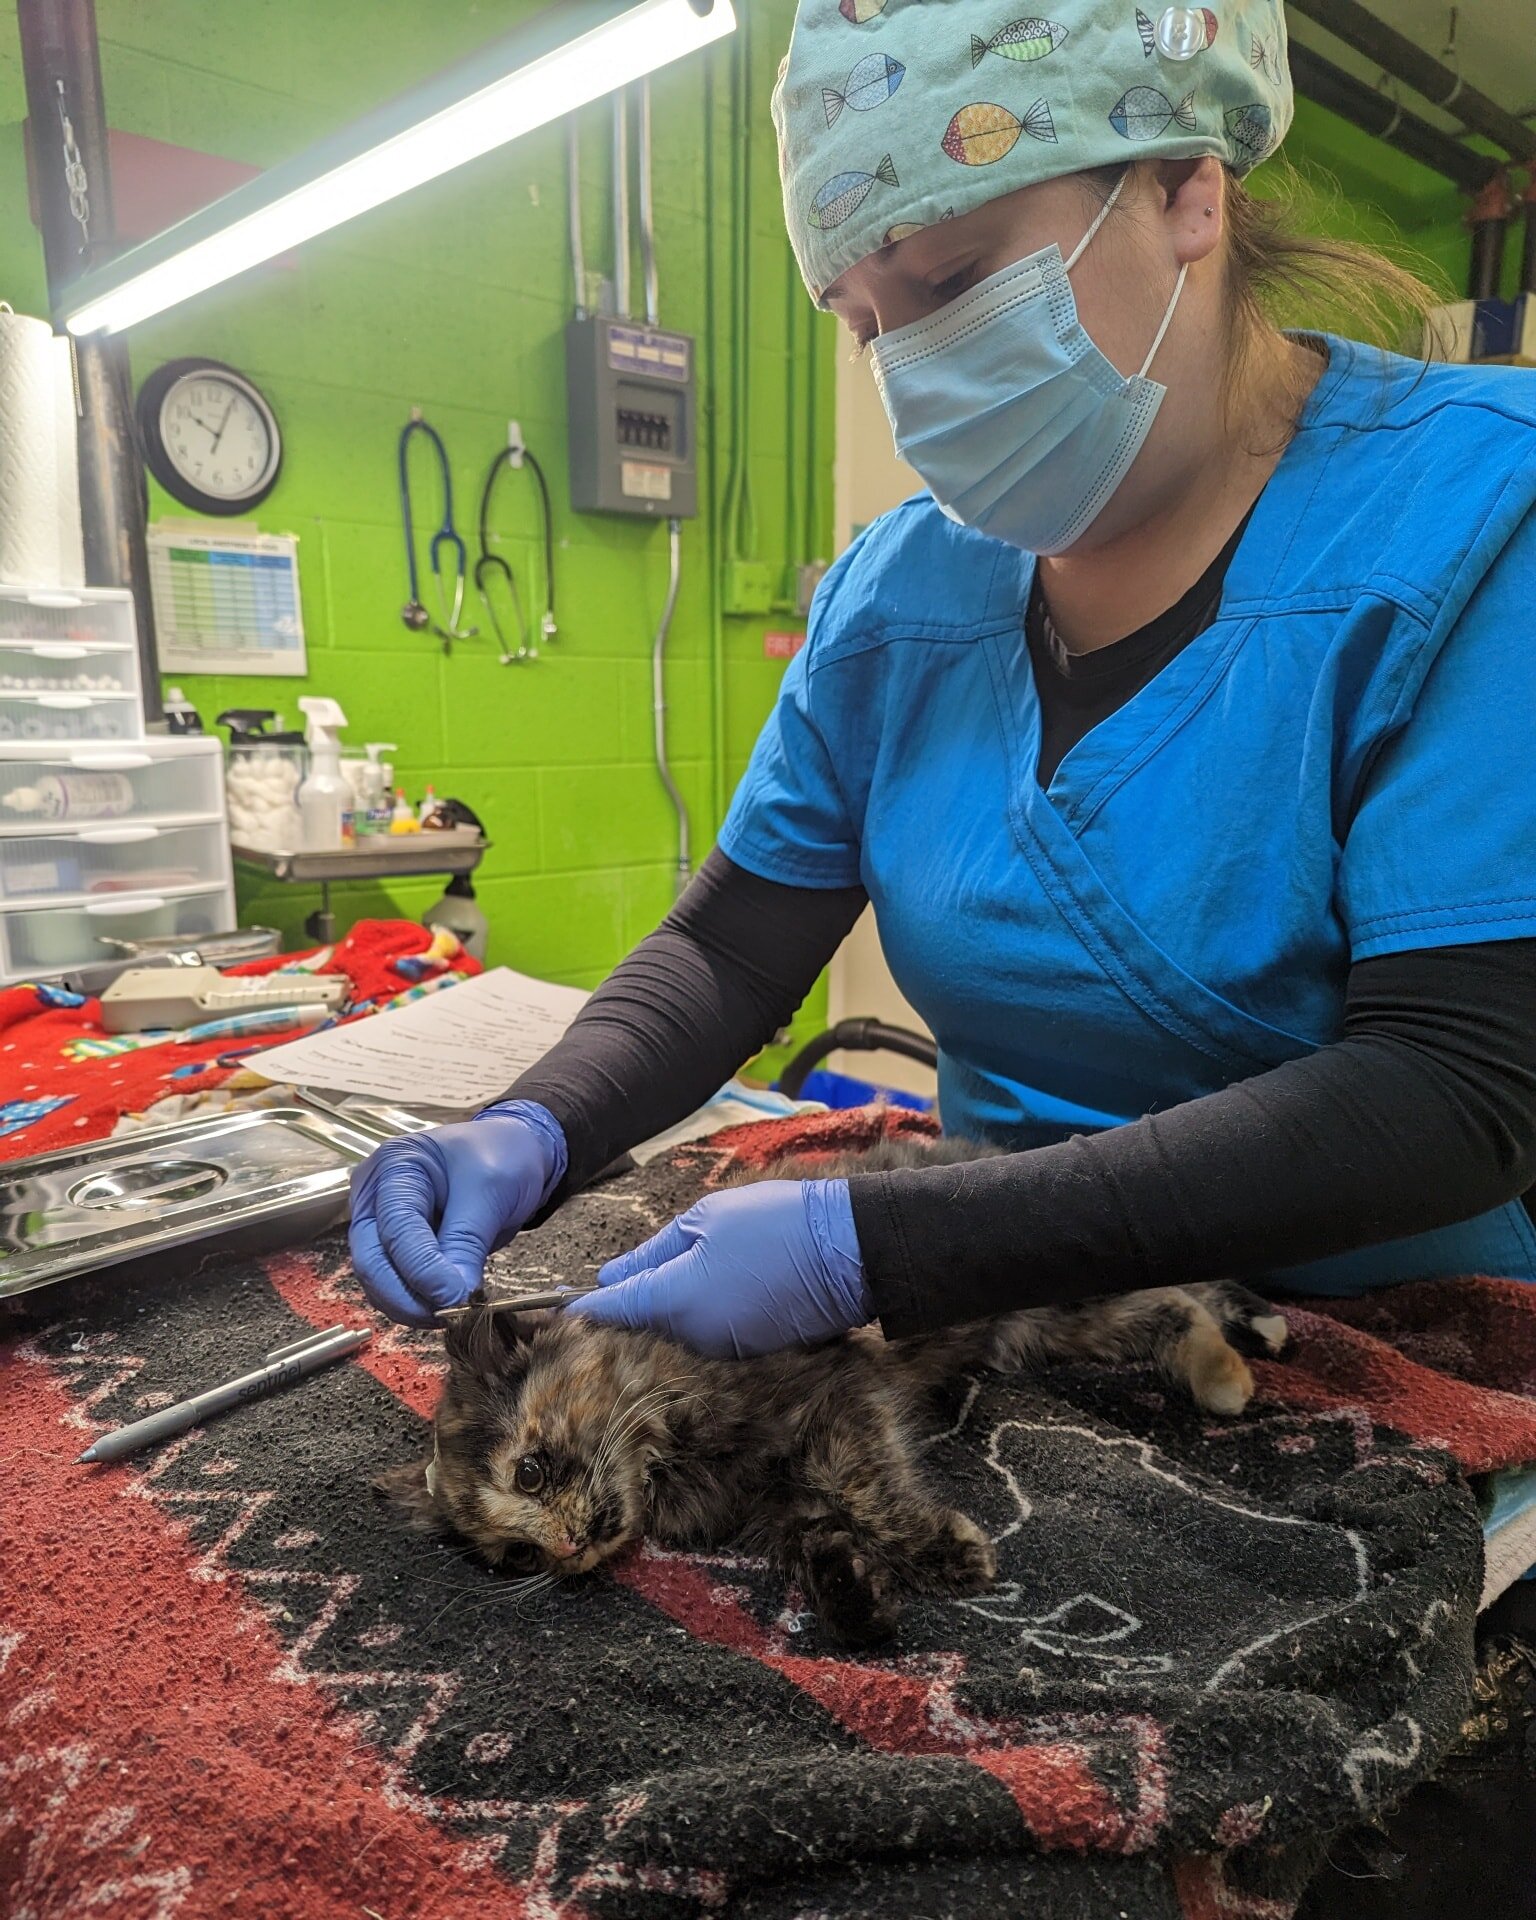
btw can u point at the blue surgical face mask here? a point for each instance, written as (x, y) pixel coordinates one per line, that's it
(1017, 422)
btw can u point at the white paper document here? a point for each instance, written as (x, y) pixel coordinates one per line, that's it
(455, 1049)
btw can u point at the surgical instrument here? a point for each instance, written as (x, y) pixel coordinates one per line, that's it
(521, 1303)
(414, 613)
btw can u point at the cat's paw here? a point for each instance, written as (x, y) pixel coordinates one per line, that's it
(1216, 1374)
(1250, 1324)
(958, 1559)
(854, 1595)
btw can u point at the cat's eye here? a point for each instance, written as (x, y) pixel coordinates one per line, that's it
(530, 1474)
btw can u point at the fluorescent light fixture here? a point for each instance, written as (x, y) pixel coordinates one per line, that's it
(532, 77)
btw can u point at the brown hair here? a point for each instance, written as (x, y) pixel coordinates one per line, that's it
(1280, 274)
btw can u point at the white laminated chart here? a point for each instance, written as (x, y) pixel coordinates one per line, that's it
(226, 602)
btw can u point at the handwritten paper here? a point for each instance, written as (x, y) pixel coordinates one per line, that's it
(455, 1050)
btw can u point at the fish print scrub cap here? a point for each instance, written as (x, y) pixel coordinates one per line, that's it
(894, 114)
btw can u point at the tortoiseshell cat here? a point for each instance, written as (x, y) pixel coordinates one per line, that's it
(558, 1441)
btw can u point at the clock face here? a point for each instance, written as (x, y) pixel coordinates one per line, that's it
(218, 435)
(208, 436)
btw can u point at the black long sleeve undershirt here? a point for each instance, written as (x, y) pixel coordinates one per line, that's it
(1421, 1114)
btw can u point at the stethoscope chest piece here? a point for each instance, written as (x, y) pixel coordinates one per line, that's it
(414, 613)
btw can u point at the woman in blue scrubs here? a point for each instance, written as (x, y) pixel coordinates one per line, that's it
(1180, 735)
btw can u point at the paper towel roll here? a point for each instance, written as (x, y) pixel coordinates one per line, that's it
(67, 431)
(39, 491)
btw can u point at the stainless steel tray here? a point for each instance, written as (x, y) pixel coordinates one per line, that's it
(96, 1205)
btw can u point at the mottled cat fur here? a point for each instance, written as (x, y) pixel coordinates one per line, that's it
(558, 1441)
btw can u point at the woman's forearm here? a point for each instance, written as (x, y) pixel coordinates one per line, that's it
(707, 990)
(1423, 1113)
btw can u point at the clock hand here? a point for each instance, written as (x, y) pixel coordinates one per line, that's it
(224, 423)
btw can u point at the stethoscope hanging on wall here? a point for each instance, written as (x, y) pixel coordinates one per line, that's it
(414, 613)
(492, 564)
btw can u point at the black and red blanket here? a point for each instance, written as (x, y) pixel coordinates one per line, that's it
(230, 1683)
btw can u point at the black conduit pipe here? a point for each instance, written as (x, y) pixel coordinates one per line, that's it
(1375, 114)
(857, 1036)
(1489, 217)
(61, 64)
(1407, 61)
(1528, 249)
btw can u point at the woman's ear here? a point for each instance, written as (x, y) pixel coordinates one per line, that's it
(1194, 203)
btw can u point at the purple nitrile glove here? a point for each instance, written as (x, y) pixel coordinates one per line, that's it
(743, 1272)
(427, 1209)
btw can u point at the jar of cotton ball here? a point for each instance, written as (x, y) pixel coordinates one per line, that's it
(261, 781)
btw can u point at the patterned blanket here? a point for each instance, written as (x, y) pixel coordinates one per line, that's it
(230, 1682)
(64, 1079)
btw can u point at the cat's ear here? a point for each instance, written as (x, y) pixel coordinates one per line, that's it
(406, 1489)
(485, 1342)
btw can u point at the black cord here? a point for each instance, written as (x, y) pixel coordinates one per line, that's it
(859, 1036)
(549, 532)
(505, 459)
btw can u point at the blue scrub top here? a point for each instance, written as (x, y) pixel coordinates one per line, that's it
(1342, 765)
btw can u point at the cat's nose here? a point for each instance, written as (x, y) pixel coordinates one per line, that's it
(563, 1548)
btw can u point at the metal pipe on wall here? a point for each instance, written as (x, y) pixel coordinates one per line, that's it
(573, 197)
(67, 127)
(1348, 21)
(684, 869)
(621, 239)
(1374, 113)
(648, 212)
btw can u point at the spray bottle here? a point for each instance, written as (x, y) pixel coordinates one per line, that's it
(325, 798)
(459, 912)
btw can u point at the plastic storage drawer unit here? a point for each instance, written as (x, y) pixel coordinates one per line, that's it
(43, 940)
(43, 787)
(119, 857)
(69, 667)
(27, 717)
(79, 616)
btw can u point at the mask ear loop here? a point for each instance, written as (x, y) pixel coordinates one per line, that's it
(1098, 220)
(1178, 288)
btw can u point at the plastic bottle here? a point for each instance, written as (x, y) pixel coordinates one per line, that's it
(459, 912)
(73, 796)
(428, 805)
(403, 819)
(379, 810)
(180, 714)
(325, 799)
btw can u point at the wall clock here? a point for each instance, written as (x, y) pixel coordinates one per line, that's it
(209, 436)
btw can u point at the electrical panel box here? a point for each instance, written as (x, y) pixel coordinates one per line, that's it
(633, 417)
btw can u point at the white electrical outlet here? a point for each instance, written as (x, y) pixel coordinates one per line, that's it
(516, 445)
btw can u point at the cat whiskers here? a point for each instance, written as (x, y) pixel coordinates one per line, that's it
(618, 1430)
(621, 1420)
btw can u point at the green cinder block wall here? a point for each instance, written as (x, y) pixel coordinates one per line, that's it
(454, 300)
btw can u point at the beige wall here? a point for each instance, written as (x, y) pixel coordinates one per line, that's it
(869, 479)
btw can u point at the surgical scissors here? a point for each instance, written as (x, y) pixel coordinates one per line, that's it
(414, 614)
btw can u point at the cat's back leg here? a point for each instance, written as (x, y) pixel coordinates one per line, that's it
(1192, 1334)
